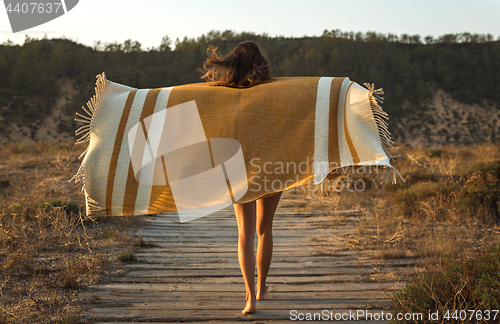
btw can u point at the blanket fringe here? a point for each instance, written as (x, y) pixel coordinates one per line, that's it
(376, 99)
(85, 134)
(395, 174)
(92, 104)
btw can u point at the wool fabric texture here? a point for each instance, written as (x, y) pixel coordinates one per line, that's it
(198, 145)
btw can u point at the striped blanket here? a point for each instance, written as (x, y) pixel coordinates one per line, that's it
(196, 148)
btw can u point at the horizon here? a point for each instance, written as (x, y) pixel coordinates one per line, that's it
(349, 35)
(151, 20)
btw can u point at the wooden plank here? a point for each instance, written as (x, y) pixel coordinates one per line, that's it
(162, 244)
(219, 314)
(250, 320)
(210, 287)
(235, 272)
(192, 255)
(328, 260)
(238, 279)
(162, 247)
(271, 305)
(300, 266)
(293, 297)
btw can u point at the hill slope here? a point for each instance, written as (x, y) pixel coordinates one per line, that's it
(438, 93)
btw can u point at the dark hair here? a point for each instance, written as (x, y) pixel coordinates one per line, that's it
(244, 67)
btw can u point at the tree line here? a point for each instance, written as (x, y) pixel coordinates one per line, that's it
(408, 67)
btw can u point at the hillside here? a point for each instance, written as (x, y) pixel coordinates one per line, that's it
(447, 121)
(438, 91)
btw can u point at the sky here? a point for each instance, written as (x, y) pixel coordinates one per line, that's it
(148, 21)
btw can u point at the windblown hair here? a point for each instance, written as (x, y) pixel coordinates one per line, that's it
(244, 67)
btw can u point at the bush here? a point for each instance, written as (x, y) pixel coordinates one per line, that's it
(69, 207)
(459, 285)
(467, 192)
(481, 188)
(412, 178)
(126, 258)
(108, 234)
(434, 153)
(409, 200)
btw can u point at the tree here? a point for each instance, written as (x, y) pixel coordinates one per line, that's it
(165, 44)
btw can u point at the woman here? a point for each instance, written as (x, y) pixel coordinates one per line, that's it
(245, 67)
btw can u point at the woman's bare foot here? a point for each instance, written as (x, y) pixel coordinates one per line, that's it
(251, 305)
(261, 295)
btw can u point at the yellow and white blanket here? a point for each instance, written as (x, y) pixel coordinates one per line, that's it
(196, 148)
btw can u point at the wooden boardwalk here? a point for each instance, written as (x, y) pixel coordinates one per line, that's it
(190, 273)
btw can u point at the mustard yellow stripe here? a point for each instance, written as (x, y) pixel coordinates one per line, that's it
(333, 142)
(132, 183)
(354, 154)
(161, 199)
(116, 150)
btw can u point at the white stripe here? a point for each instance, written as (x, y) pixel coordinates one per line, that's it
(132, 133)
(98, 158)
(321, 129)
(146, 157)
(133, 140)
(363, 127)
(155, 131)
(124, 156)
(144, 190)
(345, 152)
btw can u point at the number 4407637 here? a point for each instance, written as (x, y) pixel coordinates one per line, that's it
(34, 7)
(471, 315)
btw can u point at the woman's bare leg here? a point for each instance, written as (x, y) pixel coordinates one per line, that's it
(266, 207)
(245, 216)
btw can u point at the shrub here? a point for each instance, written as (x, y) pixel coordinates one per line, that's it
(434, 153)
(108, 234)
(127, 258)
(409, 200)
(412, 178)
(481, 188)
(4, 183)
(69, 207)
(459, 285)
(468, 191)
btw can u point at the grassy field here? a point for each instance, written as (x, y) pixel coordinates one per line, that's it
(49, 249)
(446, 214)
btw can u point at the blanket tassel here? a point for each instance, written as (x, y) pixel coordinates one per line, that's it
(376, 99)
(84, 133)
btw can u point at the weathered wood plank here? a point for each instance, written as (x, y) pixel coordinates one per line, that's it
(250, 320)
(209, 305)
(214, 287)
(235, 272)
(300, 267)
(238, 279)
(193, 255)
(372, 297)
(222, 314)
(298, 261)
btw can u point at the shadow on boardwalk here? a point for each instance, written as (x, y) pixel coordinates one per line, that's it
(190, 273)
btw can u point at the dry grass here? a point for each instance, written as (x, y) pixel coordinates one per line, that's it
(49, 252)
(49, 249)
(443, 224)
(445, 215)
